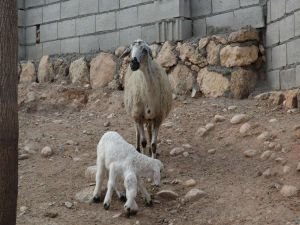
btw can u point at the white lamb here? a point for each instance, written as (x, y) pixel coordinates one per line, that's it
(121, 159)
(147, 95)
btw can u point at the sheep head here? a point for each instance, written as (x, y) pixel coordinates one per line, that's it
(139, 50)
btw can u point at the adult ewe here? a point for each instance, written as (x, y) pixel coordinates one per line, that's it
(148, 94)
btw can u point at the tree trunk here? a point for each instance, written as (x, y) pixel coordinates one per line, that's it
(8, 112)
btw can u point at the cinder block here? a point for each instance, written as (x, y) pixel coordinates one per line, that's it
(272, 34)
(106, 5)
(51, 1)
(51, 47)
(268, 12)
(34, 51)
(249, 16)
(67, 28)
(220, 23)
(48, 32)
(69, 9)
(199, 27)
(288, 78)
(277, 9)
(269, 58)
(150, 33)
(126, 3)
(293, 51)
(127, 17)
(297, 23)
(128, 35)
(21, 36)
(109, 41)
(146, 12)
(89, 44)
(70, 45)
(88, 7)
(20, 4)
(201, 7)
(86, 25)
(32, 3)
(106, 21)
(51, 12)
(292, 5)
(30, 35)
(21, 53)
(287, 28)
(298, 76)
(249, 2)
(221, 5)
(166, 9)
(273, 79)
(33, 16)
(279, 56)
(21, 18)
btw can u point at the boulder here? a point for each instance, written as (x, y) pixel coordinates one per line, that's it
(212, 84)
(123, 69)
(189, 53)
(119, 51)
(45, 70)
(166, 57)
(291, 101)
(245, 34)
(61, 69)
(103, 69)
(203, 42)
(79, 71)
(155, 50)
(238, 56)
(213, 50)
(181, 79)
(242, 83)
(28, 73)
(277, 97)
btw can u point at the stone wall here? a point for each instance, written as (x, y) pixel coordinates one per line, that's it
(283, 41)
(83, 26)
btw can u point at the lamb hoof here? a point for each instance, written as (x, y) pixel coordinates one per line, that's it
(148, 203)
(106, 206)
(123, 197)
(96, 199)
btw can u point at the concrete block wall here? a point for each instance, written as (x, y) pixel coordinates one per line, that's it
(282, 43)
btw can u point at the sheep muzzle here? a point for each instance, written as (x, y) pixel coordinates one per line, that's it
(134, 64)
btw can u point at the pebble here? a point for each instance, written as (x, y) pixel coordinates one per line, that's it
(70, 142)
(232, 107)
(209, 126)
(286, 169)
(168, 125)
(266, 155)
(288, 191)
(84, 195)
(51, 214)
(58, 121)
(106, 124)
(167, 194)
(263, 136)
(280, 160)
(267, 173)
(176, 151)
(250, 153)
(69, 205)
(110, 116)
(245, 128)
(90, 173)
(23, 156)
(272, 145)
(117, 215)
(273, 120)
(176, 181)
(23, 209)
(189, 183)
(239, 118)
(202, 131)
(211, 151)
(194, 195)
(186, 154)
(292, 110)
(219, 118)
(46, 152)
(188, 146)
(298, 166)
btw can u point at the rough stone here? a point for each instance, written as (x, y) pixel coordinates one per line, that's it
(194, 195)
(250, 153)
(189, 183)
(219, 118)
(166, 57)
(102, 70)
(47, 152)
(45, 70)
(176, 151)
(168, 194)
(28, 73)
(212, 84)
(238, 118)
(242, 83)
(209, 126)
(245, 34)
(286, 169)
(90, 173)
(211, 151)
(266, 155)
(277, 98)
(79, 71)
(289, 191)
(213, 50)
(189, 53)
(291, 99)
(181, 79)
(61, 69)
(267, 173)
(202, 131)
(119, 51)
(203, 42)
(238, 56)
(85, 195)
(264, 136)
(245, 128)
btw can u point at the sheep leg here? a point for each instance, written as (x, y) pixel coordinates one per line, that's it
(142, 133)
(130, 183)
(147, 196)
(149, 129)
(155, 129)
(138, 138)
(121, 195)
(110, 186)
(99, 179)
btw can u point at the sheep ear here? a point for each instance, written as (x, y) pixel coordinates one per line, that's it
(126, 52)
(148, 49)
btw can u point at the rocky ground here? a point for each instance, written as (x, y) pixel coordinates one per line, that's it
(239, 157)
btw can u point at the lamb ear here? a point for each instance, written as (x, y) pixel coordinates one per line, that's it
(126, 52)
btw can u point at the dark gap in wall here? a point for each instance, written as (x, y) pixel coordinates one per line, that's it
(37, 34)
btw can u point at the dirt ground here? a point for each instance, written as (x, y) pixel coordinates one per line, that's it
(71, 121)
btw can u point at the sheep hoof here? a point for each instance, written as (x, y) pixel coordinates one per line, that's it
(123, 197)
(148, 203)
(130, 212)
(96, 199)
(106, 206)
(138, 149)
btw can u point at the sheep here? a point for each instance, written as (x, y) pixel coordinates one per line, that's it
(120, 158)
(147, 95)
